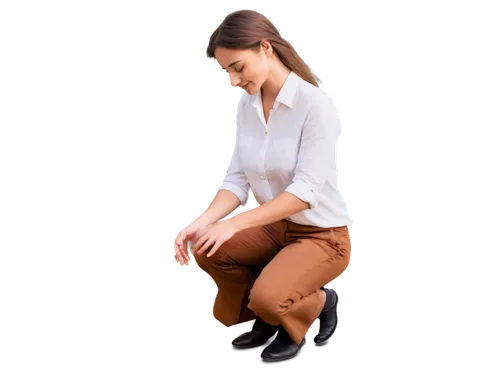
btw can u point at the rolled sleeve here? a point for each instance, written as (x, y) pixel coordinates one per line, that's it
(238, 191)
(305, 191)
(317, 151)
(236, 180)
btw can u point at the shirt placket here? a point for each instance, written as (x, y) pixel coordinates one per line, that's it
(264, 179)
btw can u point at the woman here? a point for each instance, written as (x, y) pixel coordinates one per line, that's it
(270, 263)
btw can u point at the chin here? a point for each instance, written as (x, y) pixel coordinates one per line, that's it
(249, 89)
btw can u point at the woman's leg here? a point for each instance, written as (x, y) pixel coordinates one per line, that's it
(287, 292)
(236, 265)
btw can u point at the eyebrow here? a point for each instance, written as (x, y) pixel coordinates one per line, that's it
(230, 65)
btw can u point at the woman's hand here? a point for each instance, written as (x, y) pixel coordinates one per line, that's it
(190, 233)
(214, 235)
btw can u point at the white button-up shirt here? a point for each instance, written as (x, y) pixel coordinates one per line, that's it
(294, 152)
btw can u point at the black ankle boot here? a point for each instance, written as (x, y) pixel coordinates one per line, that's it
(260, 333)
(327, 317)
(282, 349)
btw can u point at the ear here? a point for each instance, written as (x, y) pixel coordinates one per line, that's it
(266, 46)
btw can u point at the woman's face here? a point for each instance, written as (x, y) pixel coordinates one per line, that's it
(248, 69)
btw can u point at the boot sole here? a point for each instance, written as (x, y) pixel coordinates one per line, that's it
(249, 348)
(275, 361)
(324, 343)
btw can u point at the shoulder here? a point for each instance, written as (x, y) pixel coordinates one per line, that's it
(314, 98)
(320, 108)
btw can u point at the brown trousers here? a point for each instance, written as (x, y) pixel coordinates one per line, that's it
(275, 272)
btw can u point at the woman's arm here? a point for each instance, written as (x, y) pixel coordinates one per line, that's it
(223, 204)
(284, 205)
(234, 189)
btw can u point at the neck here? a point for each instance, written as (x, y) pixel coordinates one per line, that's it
(274, 82)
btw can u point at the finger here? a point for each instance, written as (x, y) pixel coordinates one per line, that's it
(174, 247)
(186, 255)
(175, 244)
(191, 252)
(207, 246)
(177, 252)
(214, 249)
(198, 243)
(182, 259)
(180, 241)
(178, 259)
(181, 248)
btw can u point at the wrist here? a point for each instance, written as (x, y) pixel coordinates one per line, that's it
(203, 220)
(238, 224)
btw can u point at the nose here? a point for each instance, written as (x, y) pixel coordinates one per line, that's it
(235, 81)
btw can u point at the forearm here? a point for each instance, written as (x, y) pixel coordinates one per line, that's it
(282, 206)
(223, 204)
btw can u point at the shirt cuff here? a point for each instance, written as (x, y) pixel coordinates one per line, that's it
(236, 190)
(304, 192)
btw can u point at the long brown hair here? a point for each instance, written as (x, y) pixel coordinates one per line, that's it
(246, 29)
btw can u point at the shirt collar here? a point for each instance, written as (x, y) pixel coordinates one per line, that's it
(286, 93)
